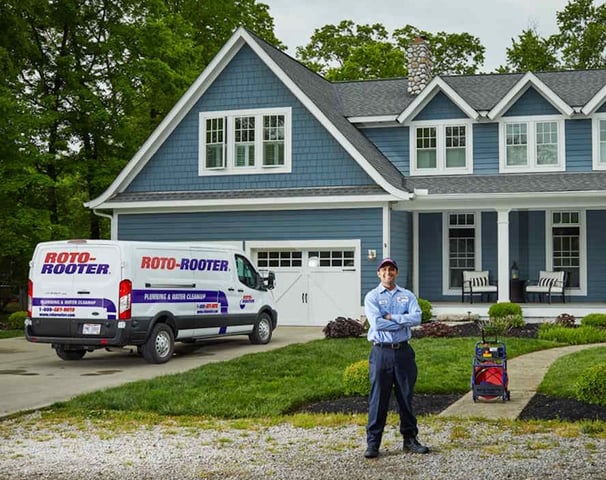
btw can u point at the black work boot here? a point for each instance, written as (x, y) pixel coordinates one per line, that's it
(371, 452)
(412, 445)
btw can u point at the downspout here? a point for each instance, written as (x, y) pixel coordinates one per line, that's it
(111, 223)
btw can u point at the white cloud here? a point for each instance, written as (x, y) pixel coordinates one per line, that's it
(494, 22)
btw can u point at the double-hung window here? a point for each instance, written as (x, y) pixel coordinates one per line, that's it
(566, 246)
(251, 141)
(599, 142)
(535, 144)
(440, 149)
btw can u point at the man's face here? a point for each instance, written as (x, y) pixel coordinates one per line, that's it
(388, 274)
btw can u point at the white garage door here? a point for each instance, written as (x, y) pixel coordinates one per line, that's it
(313, 285)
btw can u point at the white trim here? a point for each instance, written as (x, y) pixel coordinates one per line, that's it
(595, 143)
(477, 225)
(440, 126)
(431, 90)
(386, 231)
(582, 290)
(529, 79)
(374, 119)
(531, 123)
(229, 142)
(594, 103)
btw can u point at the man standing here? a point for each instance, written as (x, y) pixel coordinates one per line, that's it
(391, 312)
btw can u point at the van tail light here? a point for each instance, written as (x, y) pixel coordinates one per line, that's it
(30, 292)
(124, 304)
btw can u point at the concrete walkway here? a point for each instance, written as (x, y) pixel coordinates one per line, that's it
(525, 373)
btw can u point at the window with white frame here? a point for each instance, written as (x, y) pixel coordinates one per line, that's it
(535, 144)
(599, 142)
(250, 141)
(440, 149)
(462, 230)
(567, 245)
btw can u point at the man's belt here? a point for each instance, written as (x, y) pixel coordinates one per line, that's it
(393, 346)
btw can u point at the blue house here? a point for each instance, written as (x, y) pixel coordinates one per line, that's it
(318, 181)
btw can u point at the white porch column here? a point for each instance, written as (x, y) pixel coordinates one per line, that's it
(503, 254)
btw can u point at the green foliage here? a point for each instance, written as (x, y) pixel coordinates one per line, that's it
(355, 379)
(571, 336)
(591, 385)
(597, 320)
(348, 51)
(16, 320)
(504, 309)
(425, 309)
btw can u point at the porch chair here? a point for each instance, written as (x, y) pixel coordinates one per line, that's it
(549, 283)
(477, 283)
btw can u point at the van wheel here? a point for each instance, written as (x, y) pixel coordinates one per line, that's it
(64, 354)
(160, 344)
(262, 331)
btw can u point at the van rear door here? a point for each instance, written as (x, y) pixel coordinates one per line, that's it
(75, 286)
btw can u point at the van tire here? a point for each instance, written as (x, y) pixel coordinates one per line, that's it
(160, 345)
(64, 354)
(262, 332)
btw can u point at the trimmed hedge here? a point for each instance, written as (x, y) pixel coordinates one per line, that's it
(16, 320)
(591, 385)
(597, 320)
(572, 336)
(425, 309)
(355, 378)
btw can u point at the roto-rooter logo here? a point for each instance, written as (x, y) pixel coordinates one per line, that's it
(170, 263)
(69, 263)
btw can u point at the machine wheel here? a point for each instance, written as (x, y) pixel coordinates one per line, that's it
(262, 332)
(64, 354)
(160, 345)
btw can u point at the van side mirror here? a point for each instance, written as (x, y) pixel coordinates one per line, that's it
(270, 280)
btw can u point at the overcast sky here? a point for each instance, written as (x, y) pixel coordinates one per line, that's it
(494, 22)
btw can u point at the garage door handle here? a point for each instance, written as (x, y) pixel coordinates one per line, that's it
(83, 292)
(304, 298)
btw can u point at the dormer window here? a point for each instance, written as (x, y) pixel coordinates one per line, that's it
(245, 142)
(534, 144)
(440, 149)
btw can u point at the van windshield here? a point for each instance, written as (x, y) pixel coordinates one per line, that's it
(248, 275)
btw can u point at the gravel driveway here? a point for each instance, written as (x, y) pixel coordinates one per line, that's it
(461, 450)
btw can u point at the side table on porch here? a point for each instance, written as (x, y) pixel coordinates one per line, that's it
(517, 293)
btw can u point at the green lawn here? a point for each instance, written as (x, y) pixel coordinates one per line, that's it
(277, 382)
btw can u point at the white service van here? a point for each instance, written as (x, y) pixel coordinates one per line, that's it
(90, 294)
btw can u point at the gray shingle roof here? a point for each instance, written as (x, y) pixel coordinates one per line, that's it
(510, 183)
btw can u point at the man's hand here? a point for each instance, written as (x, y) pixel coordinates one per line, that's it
(387, 316)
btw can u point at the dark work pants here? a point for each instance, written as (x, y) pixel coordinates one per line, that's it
(389, 368)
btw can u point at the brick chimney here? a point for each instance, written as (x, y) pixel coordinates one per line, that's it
(418, 58)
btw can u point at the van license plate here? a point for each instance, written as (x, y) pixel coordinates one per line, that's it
(91, 329)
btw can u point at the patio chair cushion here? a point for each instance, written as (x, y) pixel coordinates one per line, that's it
(549, 282)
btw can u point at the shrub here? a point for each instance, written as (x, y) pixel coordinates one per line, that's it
(594, 320)
(425, 309)
(16, 320)
(505, 309)
(565, 320)
(436, 329)
(12, 307)
(343, 327)
(572, 336)
(355, 379)
(591, 385)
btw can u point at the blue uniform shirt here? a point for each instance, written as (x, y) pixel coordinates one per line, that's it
(403, 307)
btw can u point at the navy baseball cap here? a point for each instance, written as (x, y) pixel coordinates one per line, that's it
(387, 261)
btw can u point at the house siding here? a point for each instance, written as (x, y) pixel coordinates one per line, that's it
(401, 246)
(440, 107)
(329, 224)
(430, 257)
(596, 237)
(394, 143)
(531, 102)
(486, 149)
(578, 145)
(247, 83)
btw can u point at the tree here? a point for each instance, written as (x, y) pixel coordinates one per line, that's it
(581, 40)
(579, 44)
(84, 83)
(531, 53)
(350, 52)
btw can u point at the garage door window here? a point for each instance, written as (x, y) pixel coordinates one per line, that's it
(333, 258)
(279, 258)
